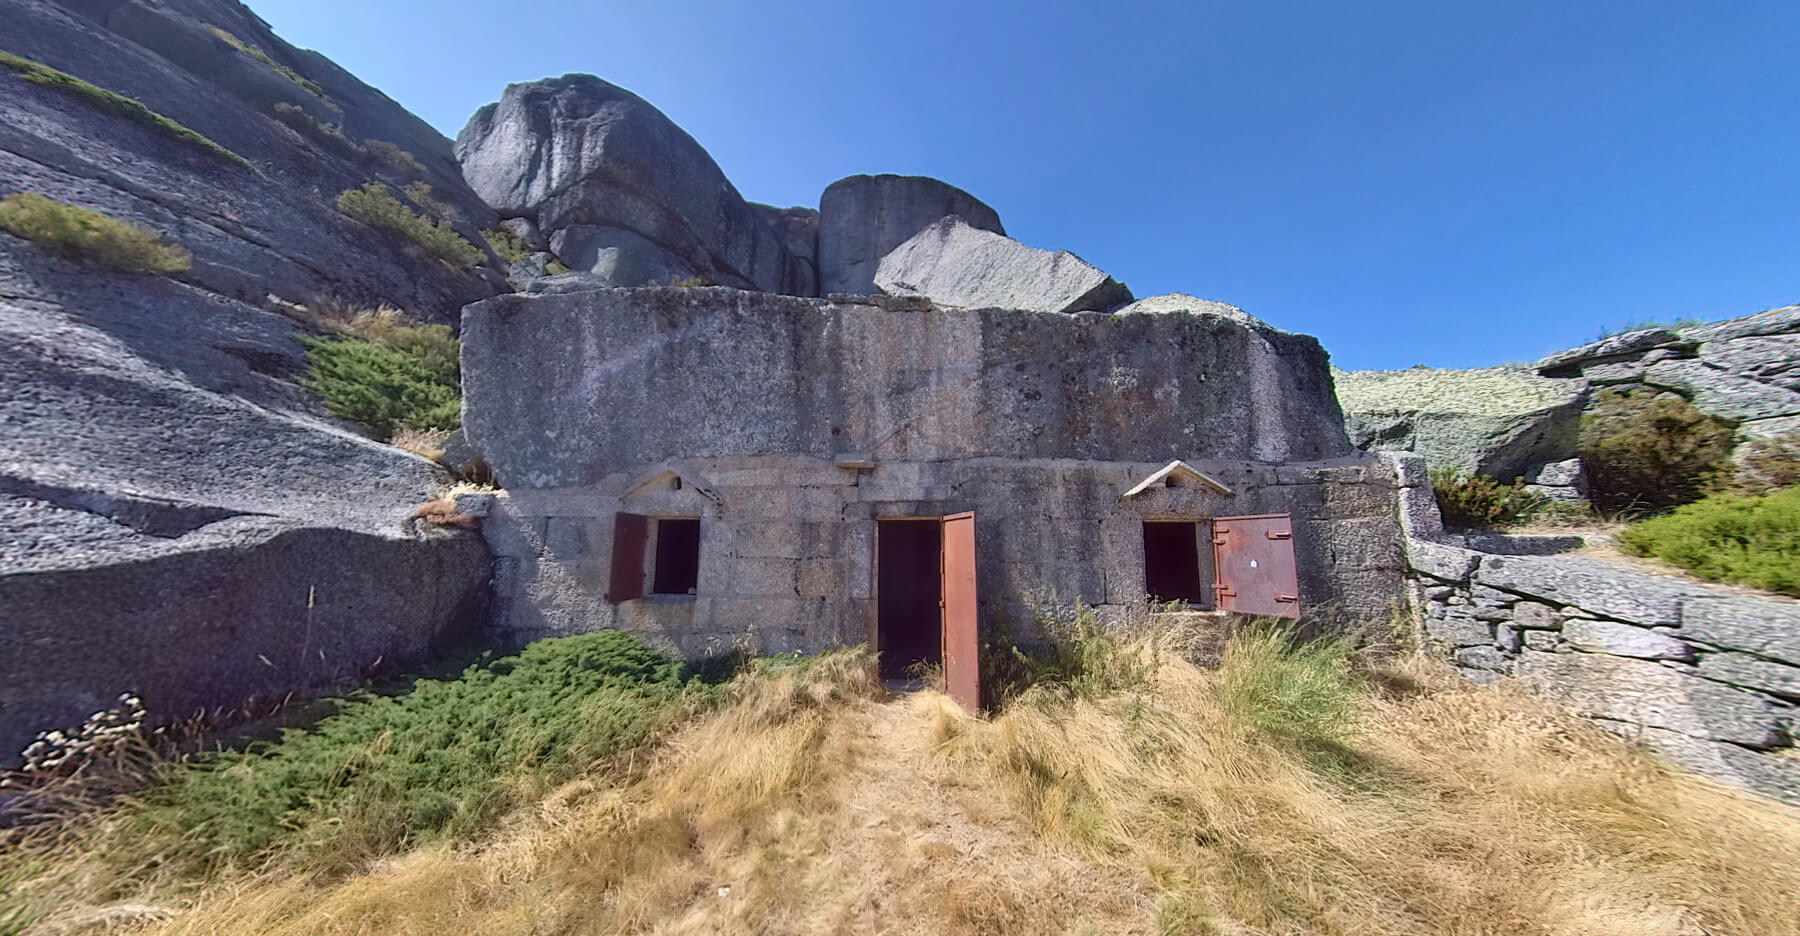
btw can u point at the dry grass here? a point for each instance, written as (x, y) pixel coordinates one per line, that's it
(810, 805)
(425, 443)
(442, 512)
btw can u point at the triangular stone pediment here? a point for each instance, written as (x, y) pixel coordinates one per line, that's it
(1178, 474)
(670, 472)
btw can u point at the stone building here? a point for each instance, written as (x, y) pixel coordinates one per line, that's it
(719, 468)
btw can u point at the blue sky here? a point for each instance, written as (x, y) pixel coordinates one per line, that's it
(1447, 183)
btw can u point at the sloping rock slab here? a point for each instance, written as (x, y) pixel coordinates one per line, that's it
(1724, 394)
(863, 218)
(1610, 348)
(1495, 421)
(577, 150)
(956, 264)
(1647, 693)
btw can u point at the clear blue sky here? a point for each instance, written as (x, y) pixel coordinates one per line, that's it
(1446, 183)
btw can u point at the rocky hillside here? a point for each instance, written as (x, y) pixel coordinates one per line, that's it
(1512, 422)
(178, 517)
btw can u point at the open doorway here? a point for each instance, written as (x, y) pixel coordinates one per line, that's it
(909, 595)
(1176, 566)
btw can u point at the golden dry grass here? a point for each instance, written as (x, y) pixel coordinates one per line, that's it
(811, 804)
(425, 443)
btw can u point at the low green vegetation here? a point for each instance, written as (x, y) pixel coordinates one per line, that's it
(394, 156)
(104, 100)
(1735, 538)
(1289, 686)
(442, 760)
(1675, 325)
(387, 373)
(1645, 450)
(256, 52)
(376, 207)
(506, 245)
(1478, 502)
(331, 136)
(90, 236)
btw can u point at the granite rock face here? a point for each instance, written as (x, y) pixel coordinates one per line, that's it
(863, 218)
(1496, 421)
(178, 517)
(578, 151)
(254, 231)
(788, 376)
(958, 265)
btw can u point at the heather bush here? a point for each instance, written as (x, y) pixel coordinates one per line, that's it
(382, 388)
(331, 136)
(374, 206)
(1763, 466)
(1647, 450)
(508, 246)
(90, 236)
(1478, 502)
(394, 156)
(1736, 538)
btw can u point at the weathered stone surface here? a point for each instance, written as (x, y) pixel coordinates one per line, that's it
(1776, 428)
(253, 231)
(958, 265)
(1603, 588)
(1482, 658)
(593, 393)
(798, 229)
(1611, 347)
(617, 257)
(1498, 421)
(172, 506)
(1181, 302)
(1568, 472)
(1742, 669)
(1623, 640)
(1771, 359)
(1723, 394)
(1772, 322)
(863, 218)
(1772, 775)
(1642, 692)
(1523, 544)
(1441, 561)
(577, 150)
(1768, 627)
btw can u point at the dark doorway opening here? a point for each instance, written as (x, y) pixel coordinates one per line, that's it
(1174, 567)
(677, 556)
(908, 595)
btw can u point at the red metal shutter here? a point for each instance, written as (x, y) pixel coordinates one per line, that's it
(962, 643)
(1254, 557)
(631, 534)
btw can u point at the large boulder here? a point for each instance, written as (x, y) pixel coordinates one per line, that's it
(864, 217)
(959, 265)
(579, 151)
(1495, 421)
(270, 227)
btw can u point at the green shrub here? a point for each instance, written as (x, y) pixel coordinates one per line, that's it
(508, 246)
(330, 136)
(434, 346)
(1280, 683)
(394, 156)
(91, 236)
(1741, 539)
(102, 99)
(382, 388)
(1648, 450)
(1478, 502)
(374, 206)
(256, 52)
(556, 268)
(444, 759)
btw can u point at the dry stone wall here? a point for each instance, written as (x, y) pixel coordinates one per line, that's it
(1708, 676)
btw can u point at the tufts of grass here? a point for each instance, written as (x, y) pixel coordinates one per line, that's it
(1672, 325)
(1736, 538)
(331, 136)
(256, 52)
(90, 236)
(1762, 466)
(507, 245)
(104, 100)
(425, 443)
(394, 156)
(1478, 502)
(374, 206)
(1289, 687)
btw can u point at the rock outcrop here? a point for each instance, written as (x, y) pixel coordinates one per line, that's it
(959, 265)
(626, 193)
(1496, 421)
(270, 227)
(864, 217)
(178, 518)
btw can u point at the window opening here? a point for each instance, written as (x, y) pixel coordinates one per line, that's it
(1174, 569)
(677, 570)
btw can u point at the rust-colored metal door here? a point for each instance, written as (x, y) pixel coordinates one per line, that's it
(1254, 557)
(962, 663)
(631, 533)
